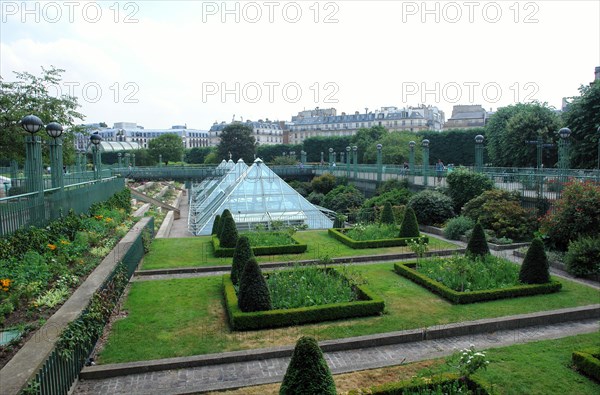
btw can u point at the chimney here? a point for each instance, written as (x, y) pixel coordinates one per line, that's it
(597, 73)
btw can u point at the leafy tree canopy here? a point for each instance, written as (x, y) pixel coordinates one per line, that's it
(198, 154)
(31, 94)
(238, 140)
(365, 138)
(170, 146)
(395, 149)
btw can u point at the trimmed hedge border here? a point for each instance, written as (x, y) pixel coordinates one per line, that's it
(411, 386)
(259, 250)
(587, 362)
(406, 270)
(240, 321)
(339, 235)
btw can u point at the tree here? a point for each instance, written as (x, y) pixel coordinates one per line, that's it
(215, 227)
(511, 126)
(31, 94)
(343, 197)
(431, 207)
(241, 256)
(583, 118)
(197, 155)
(254, 293)
(229, 234)
(395, 149)
(387, 215)
(307, 372)
(534, 269)
(170, 146)
(478, 245)
(226, 213)
(410, 226)
(238, 140)
(268, 152)
(315, 145)
(455, 146)
(464, 185)
(323, 184)
(366, 138)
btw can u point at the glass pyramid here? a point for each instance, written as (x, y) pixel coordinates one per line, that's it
(255, 196)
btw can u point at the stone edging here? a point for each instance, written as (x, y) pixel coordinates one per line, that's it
(274, 265)
(408, 336)
(165, 227)
(31, 357)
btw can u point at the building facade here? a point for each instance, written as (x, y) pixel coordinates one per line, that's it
(265, 132)
(133, 133)
(467, 116)
(326, 123)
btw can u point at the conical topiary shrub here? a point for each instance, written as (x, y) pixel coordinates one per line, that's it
(307, 372)
(253, 294)
(534, 269)
(222, 220)
(387, 215)
(215, 226)
(241, 255)
(229, 235)
(409, 227)
(478, 244)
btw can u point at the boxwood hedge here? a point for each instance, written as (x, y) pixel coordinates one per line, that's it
(369, 304)
(297, 248)
(588, 362)
(424, 385)
(341, 236)
(407, 270)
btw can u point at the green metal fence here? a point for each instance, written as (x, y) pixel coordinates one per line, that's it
(59, 372)
(40, 208)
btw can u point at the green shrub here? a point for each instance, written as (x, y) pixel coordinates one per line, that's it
(391, 185)
(431, 207)
(215, 227)
(478, 245)
(387, 215)
(410, 226)
(295, 248)
(441, 384)
(241, 255)
(324, 183)
(226, 213)
(464, 185)
(583, 256)
(339, 221)
(229, 235)
(456, 227)
(394, 197)
(501, 212)
(307, 372)
(575, 214)
(343, 197)
(534, 269)
(407, 270)
(254, 293)
(588, 362)
(316, 198)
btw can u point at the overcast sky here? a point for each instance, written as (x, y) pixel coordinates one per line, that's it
(162, 63)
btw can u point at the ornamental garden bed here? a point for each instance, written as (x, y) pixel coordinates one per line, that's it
(587, 361)
(263, 243)
(461, 282)
(386, 240)
(359, 301)
(442, 384)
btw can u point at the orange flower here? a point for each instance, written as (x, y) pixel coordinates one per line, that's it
(52, 247)
(98, 216)
(65, 242)
(5, 284)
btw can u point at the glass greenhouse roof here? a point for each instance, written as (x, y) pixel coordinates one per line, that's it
(255, 195)
(112, 146)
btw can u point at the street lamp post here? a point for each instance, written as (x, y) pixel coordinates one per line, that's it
(120, 158)
(478, 153)
(355, 160)
(132, 160)
(425, 145)
(348, 159)
(330, 161)
(55, 130)
(379, 163)
(95, 139)
(34, 178)
(303, 157)
(321, 158)
(411, 161)
(563, 153)
(160, 162)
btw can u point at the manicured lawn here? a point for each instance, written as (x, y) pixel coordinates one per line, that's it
(198, 251)
(542, 367)
(186, 316)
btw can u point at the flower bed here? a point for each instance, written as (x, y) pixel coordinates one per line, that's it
(407, 270)
(442, 384)
(366, 304)
(340, 235)
(294, 247)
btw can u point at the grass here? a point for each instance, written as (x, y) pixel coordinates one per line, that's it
(268, 239)
(198, 251)
(185, 317)
(363, 232)
(542, 367)
(464, 274)
(307, 286)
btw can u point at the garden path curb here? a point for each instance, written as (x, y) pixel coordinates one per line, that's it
(466, 328)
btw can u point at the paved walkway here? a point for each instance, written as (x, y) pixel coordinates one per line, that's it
(263, 371)
(180, 226)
